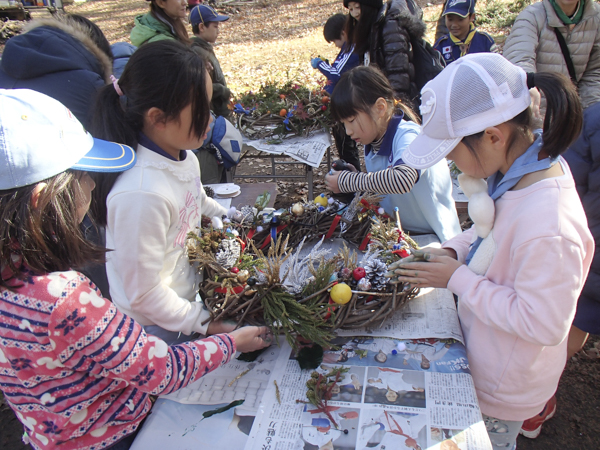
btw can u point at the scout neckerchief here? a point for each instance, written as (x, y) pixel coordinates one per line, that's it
(466, 43)
(523, 165)
(574, 19)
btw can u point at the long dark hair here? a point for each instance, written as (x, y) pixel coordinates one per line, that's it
(166, 75)
(46, 238)
(358, 32)
(563, 120)
(359, 89)
(177, 25)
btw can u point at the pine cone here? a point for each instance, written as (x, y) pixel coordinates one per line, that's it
(375, 273)
(209, 191)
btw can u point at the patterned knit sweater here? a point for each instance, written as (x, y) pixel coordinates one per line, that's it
(77, 372)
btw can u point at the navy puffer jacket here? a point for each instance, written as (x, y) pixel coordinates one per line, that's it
(584, 161)
(59, 59)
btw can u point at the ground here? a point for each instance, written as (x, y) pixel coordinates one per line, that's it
(275, 40)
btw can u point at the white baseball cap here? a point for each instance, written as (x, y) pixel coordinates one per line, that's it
(473, 93)
(40, 138)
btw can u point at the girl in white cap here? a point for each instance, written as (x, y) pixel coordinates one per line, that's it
(519, 270)
(76, 371)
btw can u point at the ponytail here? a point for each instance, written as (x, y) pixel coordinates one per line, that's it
(564, 115)
(166, 75)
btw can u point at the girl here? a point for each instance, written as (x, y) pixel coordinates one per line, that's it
(363, 101)
(381, 34)
(76, 372)
(164, 21)
(516, 303)
(160, 107)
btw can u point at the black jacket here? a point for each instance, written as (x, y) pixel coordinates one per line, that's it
(58, 59)
(398, 23)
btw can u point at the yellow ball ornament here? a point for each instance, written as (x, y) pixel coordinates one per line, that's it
(321, 200)
(341, 293)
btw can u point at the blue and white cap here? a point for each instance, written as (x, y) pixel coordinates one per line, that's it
(40, 138)
(461, 8)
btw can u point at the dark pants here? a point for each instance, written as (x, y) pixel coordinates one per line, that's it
(347, 148)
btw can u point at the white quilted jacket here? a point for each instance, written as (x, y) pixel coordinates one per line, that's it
(533, 46)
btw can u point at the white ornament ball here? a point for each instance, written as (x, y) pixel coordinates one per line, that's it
(401, 346)
(259, 229)
(217, 223)
(380, 211)
(330, 200)
(231, 212)
(226, 221)
(298, 209)
(235, 233)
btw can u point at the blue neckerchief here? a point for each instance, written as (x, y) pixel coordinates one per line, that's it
(150, 145)
(388, 138)
(524, 164)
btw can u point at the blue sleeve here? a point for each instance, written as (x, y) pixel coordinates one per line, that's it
(406, 133)
(343, 62)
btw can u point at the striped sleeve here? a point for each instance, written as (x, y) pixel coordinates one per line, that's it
(87, 331)
(399, 179)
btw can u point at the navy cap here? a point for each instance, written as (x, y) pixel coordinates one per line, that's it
(461, 8)
(40, 138)
(205, 14)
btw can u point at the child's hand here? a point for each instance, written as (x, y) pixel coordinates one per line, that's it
(220, 326)
(436, 271)
(249, 339)
(419, 256)
(331, 181)
(315, 62)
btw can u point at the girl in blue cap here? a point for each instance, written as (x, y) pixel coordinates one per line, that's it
(363, 101)
(76, 371)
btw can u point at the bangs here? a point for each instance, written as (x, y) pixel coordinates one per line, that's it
(344, 101)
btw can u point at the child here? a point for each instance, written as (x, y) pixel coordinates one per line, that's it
(363, 101)
(76, 372)
(205, 26)
(462, 38)
(524, 272)
(333, 31)
(345, 60)
(160, 107)
(164, 21)
(382, 34)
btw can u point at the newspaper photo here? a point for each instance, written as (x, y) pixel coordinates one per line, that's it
(396, 394)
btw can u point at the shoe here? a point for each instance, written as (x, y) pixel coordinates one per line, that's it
(532, 428)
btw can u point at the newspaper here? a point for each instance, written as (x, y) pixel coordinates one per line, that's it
(397, 403)
(308, 150)
(235, 380)
(431, 314)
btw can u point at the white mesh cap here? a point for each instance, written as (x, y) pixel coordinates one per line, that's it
(475, 92)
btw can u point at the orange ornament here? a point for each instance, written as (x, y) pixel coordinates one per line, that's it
(283, 112)
(325, 100)
(282, 96)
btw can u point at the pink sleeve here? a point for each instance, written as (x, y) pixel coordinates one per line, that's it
(89, 334)
(548, 273)
(461, 243)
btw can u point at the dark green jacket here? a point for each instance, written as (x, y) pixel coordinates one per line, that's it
(221, 92)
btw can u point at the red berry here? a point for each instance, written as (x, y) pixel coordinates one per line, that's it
(404, 253)
(323, 108)
(234, 270)
(358, 273)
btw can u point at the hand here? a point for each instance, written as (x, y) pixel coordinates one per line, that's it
(419, 256)
(536, 99)
(331, 181)
(249, 339)
(435, 272)
(220, 326)
(315, 62)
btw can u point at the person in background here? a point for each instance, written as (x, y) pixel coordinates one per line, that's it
(462, 38)
(76, 371)
(164, 21)
(515, 318)
(205, 26)
(363, 101)
(381, 33)
(334, 31)
(65, 57)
